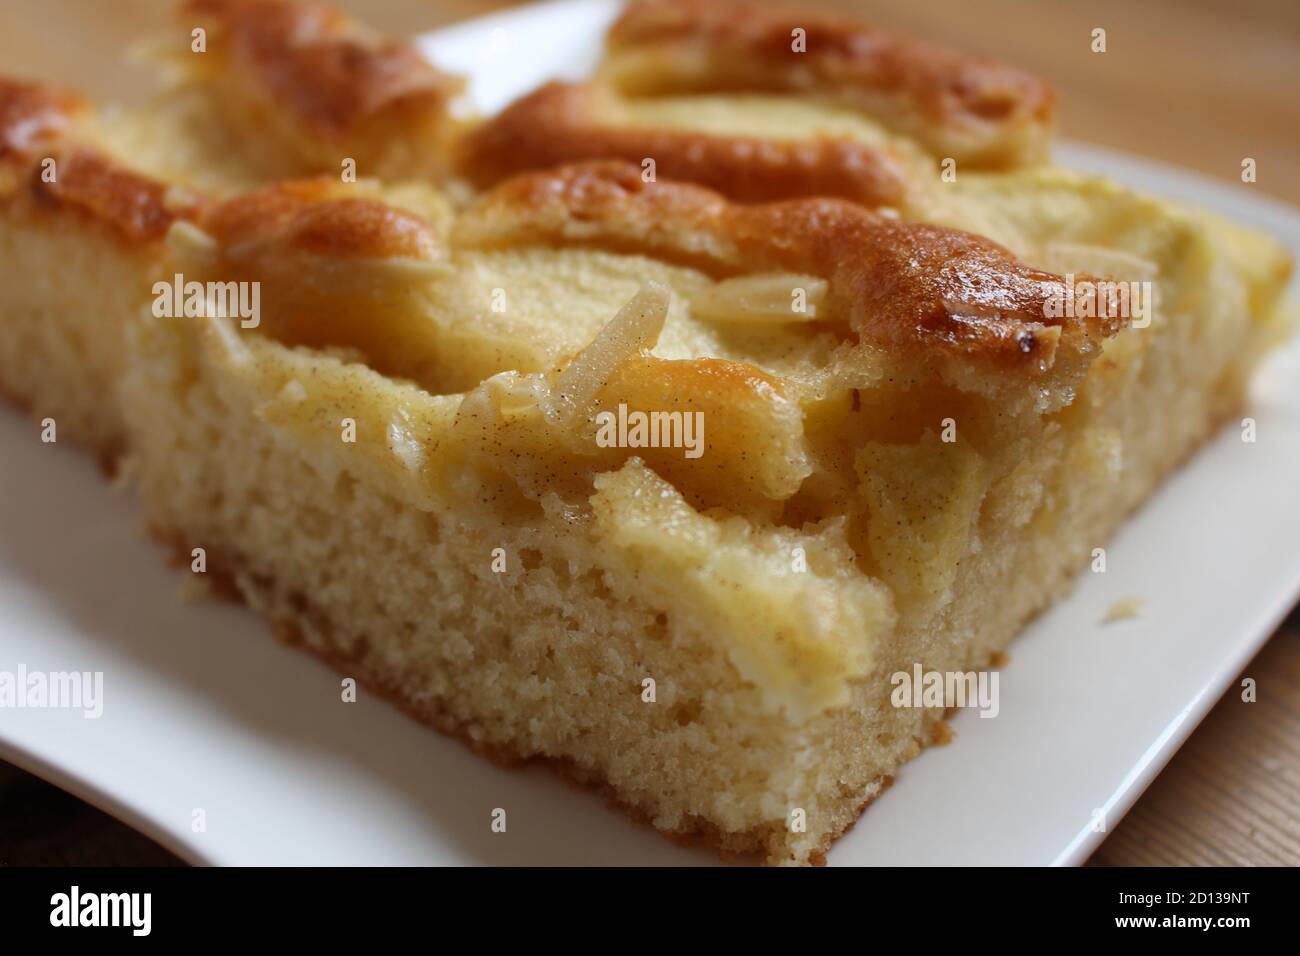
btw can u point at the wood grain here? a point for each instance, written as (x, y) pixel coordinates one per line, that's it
(1231, 795)
(1197, 83)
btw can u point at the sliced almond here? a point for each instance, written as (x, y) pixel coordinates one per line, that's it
(634, 329)
(764, 299)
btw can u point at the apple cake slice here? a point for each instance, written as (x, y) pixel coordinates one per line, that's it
(709, 638)
(657, 481)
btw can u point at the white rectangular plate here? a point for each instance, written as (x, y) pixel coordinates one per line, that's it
(203, 711)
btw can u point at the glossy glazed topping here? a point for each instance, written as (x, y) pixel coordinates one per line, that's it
(139, 209)
(320, 216)
(563, 122)
(904, 286)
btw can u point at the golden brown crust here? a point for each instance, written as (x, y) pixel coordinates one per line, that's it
(907, 287)
(32, 115)
(560, 123)
(137, 208)
(37, 123)
(322, 217)
(980, 111)
(321, 66)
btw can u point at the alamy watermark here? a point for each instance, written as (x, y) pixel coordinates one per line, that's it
(53, 690)
(133, 911)
(921, 688)
(219, 300)
(637, 429)
(1102, 299)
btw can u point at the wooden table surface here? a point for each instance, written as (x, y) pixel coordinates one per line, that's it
(1198, 83)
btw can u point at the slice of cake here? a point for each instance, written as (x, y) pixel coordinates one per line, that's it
(660, 482)
(711, 636)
